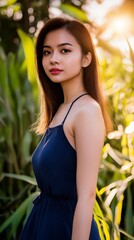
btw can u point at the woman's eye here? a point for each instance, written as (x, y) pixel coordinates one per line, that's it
(46, 52)
(65, 51)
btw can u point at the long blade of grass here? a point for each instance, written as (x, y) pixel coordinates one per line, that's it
(20, 177)
(28, 46)
(126, 234)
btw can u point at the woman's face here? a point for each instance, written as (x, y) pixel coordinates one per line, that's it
(62, 56)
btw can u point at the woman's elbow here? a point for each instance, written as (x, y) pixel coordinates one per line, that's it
(88, 197)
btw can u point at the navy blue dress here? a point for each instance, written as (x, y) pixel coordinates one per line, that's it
(54, 164)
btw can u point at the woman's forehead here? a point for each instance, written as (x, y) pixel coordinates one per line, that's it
(60, 36)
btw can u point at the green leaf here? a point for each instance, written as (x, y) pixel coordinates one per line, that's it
(74, 12)
(3, 71)
(99, 217)
(129, 220)
(5, 91)
(126, 234)
(28, 46)
(102, 237)
(20, 177)
(26, 143)
(118, 210)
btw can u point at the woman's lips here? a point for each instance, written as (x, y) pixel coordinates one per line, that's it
(55, 71)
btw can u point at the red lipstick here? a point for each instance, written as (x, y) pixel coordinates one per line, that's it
(55, 71)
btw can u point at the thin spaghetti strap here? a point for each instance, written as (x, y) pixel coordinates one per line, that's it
(72, 105)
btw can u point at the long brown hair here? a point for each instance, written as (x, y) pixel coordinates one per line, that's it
(51, 93)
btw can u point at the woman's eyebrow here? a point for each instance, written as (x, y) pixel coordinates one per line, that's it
(59, 45)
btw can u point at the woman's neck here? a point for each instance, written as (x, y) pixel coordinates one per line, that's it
(72, 95)
(72, 89)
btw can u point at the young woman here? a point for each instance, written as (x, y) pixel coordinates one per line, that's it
(74, 120)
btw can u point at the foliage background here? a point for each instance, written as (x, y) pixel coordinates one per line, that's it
(20, 22)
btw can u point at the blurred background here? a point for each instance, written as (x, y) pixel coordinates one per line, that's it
(110, 23)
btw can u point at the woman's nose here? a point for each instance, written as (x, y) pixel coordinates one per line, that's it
(55, 58)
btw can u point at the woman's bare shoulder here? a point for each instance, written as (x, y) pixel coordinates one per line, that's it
(88, 113)
(88, 107)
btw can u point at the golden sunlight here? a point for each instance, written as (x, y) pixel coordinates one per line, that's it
(121, 25)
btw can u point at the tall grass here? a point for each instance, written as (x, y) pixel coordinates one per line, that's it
(18, 110)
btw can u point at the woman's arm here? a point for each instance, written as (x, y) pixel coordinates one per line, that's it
(89, 133)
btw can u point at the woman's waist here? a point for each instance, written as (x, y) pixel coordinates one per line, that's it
(55, 197)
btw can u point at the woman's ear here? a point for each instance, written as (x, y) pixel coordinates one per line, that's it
(86, 60)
